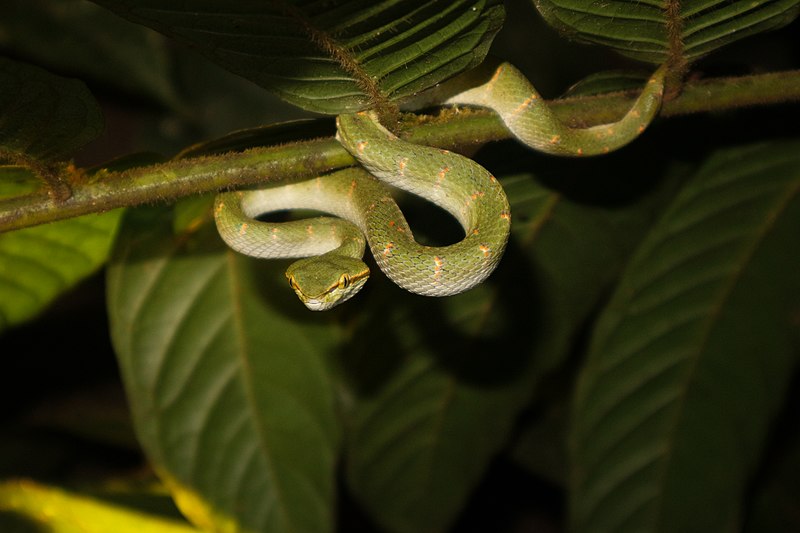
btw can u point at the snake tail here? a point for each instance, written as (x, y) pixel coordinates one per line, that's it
(528, 117)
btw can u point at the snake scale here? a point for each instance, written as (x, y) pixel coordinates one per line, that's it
(331, 270)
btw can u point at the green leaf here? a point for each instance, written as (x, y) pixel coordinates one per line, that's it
(231, 398)
(42, 115)
(420, 438)
(331, 57)
(16, 180)
(435, 405)
(641, 29)
(81, 38)
(29, 506)
(690, 361)
(39, 264)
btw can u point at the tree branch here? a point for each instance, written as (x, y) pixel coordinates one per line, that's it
(453, 129)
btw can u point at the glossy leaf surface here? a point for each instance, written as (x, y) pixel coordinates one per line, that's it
(230, 396)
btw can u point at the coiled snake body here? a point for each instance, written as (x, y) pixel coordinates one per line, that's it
(332, 271)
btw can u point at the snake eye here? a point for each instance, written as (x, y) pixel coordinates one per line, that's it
(344, 281)
(292, 283)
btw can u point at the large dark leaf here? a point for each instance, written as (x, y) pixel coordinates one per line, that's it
(642, 29)
(690, 361)
(330, 57)
(231, 398)
(439, 383)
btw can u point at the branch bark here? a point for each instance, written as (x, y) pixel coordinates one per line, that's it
(292, 162)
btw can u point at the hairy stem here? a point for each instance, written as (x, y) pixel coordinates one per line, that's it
(279, 164)
(676, 60)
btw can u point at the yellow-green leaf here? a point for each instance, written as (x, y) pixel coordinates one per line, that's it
(29, 506)
(39, 264)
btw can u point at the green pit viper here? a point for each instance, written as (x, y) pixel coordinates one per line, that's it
(331, 269)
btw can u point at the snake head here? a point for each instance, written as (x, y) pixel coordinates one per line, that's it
(325, 281)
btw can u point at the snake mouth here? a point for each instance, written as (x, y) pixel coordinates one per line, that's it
(316, 304)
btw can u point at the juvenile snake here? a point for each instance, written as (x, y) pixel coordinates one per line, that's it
(332, 271)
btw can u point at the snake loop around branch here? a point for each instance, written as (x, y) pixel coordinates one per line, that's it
(364, 212)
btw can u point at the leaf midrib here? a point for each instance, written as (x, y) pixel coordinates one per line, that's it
(242, 352)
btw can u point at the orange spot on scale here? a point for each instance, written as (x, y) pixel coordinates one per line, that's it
(274, 233)
(442, 173)
(555, 139)
(580, 151)
(361, 146)
(496, 75)
(641, 128)
(606, 149)
(243, 228)
(505, 215)
(476, 195)
(525, 103)
(310, 229)
(402, 165)
(387, 251)
(485, 249)
(438, 264)
(475, 231)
